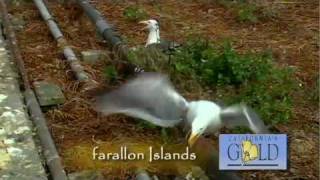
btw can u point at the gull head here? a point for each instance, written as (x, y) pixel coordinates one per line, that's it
(154, 33)
(151, 24)
(204, 118)
(198, 128)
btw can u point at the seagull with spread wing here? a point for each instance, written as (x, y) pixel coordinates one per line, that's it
(151, 97)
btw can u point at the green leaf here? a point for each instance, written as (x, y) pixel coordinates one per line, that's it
(111, 72)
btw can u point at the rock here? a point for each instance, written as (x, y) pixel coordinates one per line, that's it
(16, 2)
(100, 37)
(293, 170)
(179, 178)
(142, 175)
(7, 68)
(210, 11)
(18, 22)
(86, 175)
(48, 93)
(154, 177)
(198, 172)
(19, 158)
(93, 56)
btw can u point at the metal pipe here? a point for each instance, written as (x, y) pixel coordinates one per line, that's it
(102, 26)
(62, 42)
(105, 30)
(49, 150)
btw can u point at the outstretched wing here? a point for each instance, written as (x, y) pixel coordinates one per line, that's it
(240, 115)
(149, 96)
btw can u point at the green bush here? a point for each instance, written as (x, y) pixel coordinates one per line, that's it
(142, 124)
(247, 13)
(135, 13)
(111, 73)
(220, 65)
(151, 58)
(252, 78)
(270, 96)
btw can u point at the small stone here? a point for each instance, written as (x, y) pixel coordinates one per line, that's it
(253, 175)
(93, 56)
(2, 131)
(3, 97)
(14, 151)
(7, 114)
(16, 2)
(4, 160)
(22, 129)
(18, 23)
(9, 141)
(141, 174)
(179, 178)
(86, 175)
(293, 170)
(197, 173)
(48, 93)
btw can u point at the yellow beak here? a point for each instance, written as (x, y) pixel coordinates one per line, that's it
(192, 139)
(143, 22)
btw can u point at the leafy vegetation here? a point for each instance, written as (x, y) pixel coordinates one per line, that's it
(247, 13)
(142, 124)
(135, 13)
(111, 73)
(166, 133)
(251, 78)
(151, 58)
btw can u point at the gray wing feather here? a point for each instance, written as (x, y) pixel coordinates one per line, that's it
(149, 96)
(240, 115)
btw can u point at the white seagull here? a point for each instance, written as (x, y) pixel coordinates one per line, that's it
(151, 97)
(154, 36)
(154, 31)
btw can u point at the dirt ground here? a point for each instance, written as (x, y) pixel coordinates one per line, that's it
(293, 37)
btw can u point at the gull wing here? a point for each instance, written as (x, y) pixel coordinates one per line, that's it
(149, 96)
(241, 115)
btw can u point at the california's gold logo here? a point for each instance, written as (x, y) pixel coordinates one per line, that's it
(250, 151)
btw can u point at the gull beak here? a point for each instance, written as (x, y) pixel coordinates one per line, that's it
(144, 22)
(192, 139)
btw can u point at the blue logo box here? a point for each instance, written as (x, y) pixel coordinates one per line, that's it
(253, 151)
